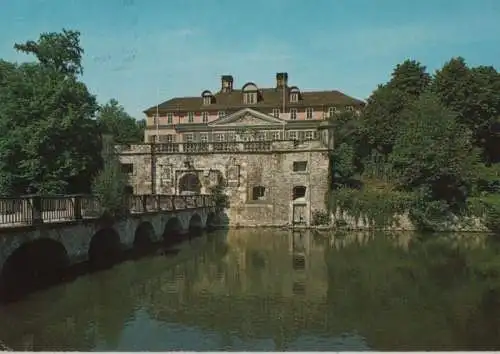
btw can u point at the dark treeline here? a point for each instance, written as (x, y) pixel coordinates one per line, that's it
(427, 144)
(51, 126)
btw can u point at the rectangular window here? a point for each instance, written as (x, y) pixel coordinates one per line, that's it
(276, 112)
(204, 138)
(170, 118)
(190, 117)
(218, 137)
(293, 114)
(204, 117)
(250, 97)
(127, 168)
(222, 114)
(299, 166)
(152, 138)
(309, 113)
(275, 135)
(309, 135)
(294, 97)
(292, 135)
(188, 138)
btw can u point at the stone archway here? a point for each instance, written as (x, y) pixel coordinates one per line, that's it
(189, 183)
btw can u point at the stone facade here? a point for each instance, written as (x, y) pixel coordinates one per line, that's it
(281, 183)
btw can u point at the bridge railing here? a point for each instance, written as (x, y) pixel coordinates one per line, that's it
(34, 209)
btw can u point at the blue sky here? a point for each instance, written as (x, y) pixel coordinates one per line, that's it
(143, 51)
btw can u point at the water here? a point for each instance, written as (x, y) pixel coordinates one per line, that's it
(276, 290)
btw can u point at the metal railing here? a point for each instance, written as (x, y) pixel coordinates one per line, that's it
(35, 209)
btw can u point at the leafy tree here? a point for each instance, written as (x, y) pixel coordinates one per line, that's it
(382, 118)
(410, 77)
(434, 153)
(382, 114)
(113, 119)
(60, 52)
(49, 142)
(110, 183)
(474, 94)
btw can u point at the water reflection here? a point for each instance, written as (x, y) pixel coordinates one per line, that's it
(275, 290)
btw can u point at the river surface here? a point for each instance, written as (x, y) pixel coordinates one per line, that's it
(276, 290)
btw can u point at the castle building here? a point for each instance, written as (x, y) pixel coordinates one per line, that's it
(268, 148)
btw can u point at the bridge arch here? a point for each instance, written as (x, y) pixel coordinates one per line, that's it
(189, 183)
(144, 235)
(104, 248)
(195, 223)
(172, 230)
(32, 265)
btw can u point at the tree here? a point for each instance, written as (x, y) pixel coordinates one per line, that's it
(410, 77)
(382, 114)
(60, 52)
(474, 94)
(110, 183)
(113, 119)
(348, 147)
(382, 118)
(434, 153)
(49, 141)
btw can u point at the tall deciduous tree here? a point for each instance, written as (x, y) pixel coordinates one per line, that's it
(382, 116)
(113, 120)
(410, 77)
(49, 141)
(474, 94)
(434, 152)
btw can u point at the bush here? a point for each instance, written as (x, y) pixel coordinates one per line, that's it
(110, 184)
(320, 217)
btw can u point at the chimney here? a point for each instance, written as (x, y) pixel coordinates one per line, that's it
(226, 83)
(281, 80)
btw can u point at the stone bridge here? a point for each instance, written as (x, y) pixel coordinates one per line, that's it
(67, 230)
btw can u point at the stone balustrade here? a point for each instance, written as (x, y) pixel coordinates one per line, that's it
(35, 209)
(218, 147)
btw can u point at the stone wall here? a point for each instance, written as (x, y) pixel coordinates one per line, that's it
(242, 171)
(404, 223)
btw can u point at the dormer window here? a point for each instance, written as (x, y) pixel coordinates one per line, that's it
(294, 94)
(331, 112)
(250, 93)
(349, 108)
(207, 97)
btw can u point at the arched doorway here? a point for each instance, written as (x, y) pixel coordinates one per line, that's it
(189, 184)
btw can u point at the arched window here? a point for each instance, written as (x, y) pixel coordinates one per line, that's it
(250, 93)
(294, 94)
(258, 193)
(207, 97)
(299, 192)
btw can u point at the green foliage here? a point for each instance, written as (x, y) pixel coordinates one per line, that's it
(474, 93)
(436, 139)
(59, 52)
(110, 183)
(320, 217)
(218, 193)
(112, 119)
(434, 152)
(377, 208)
(49, 142)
